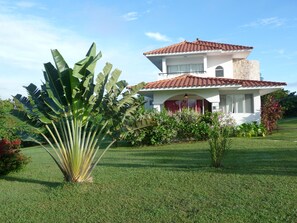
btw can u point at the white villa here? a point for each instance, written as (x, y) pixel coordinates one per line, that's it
(208, 76)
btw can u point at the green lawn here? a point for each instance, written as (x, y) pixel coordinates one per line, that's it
(172, 183)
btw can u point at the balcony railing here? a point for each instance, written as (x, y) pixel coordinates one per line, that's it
(183, 72)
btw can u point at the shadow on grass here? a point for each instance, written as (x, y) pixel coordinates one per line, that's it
(181, 159)
(281, 162)
(34, 181)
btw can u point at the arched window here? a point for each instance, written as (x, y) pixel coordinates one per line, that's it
(219, 71)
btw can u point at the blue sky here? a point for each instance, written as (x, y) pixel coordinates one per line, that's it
(123, 30)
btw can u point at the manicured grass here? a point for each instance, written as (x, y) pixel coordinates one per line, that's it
(172, 183)
(287, 129)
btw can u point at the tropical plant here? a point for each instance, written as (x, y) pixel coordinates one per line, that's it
(79, 111)
(219, 141)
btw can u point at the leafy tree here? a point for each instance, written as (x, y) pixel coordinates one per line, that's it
(79, 111)
(10, 127)
(289, 104)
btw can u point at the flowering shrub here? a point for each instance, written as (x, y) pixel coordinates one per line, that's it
(219, 141)
(11, 159)
(191, 125)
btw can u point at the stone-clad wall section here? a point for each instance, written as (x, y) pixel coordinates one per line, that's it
(246, 69)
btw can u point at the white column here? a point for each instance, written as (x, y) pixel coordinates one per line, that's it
(157, 107)
(215, 106)
(257, 106)
(205, 63)
(257, 102)
(164, 65)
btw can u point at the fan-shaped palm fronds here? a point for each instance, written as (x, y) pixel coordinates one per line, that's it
(79, 110)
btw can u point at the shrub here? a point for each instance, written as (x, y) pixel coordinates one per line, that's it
(191, 126)
(271, 112)
(165, 129)
(251, 129)
(181, 126)
(11, 158)
(219, 141)
(288, 101)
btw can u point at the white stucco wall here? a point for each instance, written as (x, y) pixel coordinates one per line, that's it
(210, 64)
(212, 95)
(223, 60)
(246, 117)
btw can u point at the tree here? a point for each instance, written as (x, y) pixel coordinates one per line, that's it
(10, 127)
(289, 104)
(79, 111)
(288, 101)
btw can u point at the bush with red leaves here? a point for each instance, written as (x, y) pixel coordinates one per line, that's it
(271, 112)
(11, 158)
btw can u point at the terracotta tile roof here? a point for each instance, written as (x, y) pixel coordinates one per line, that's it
(197, 45)
(192, 81)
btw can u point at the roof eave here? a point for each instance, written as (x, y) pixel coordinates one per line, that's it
(190, 88)
(196, 52)
(238, 87)
(262, 87)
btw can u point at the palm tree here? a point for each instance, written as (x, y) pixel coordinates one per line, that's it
(79, 111)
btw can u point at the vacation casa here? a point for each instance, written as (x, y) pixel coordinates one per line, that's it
(208, 76)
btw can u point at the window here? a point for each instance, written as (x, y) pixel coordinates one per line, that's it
(241, 103)
(219, 71)
(184, 68)
(249, 106)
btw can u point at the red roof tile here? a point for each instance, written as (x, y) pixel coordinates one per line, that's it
(197, 45)
(188, 80)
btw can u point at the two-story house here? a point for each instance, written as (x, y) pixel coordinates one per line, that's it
(208, 76)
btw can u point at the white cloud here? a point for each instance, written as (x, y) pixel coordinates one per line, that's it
(25, 4)
(130, 16)
(157, 36)
(25, 45)
(26, 41)
(267, 22)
